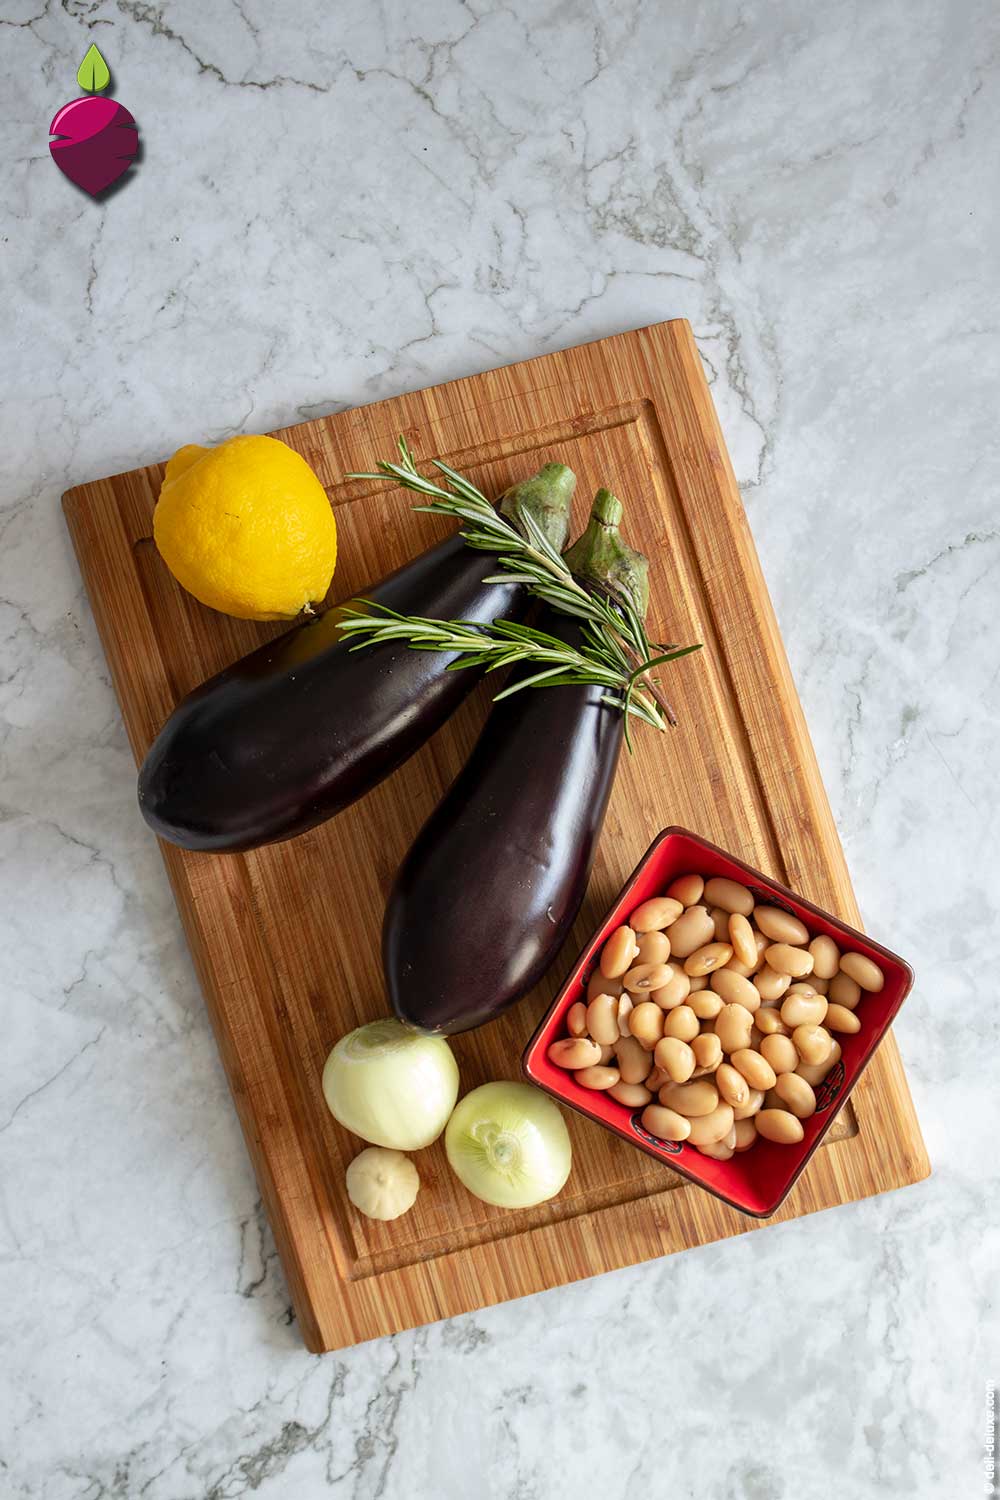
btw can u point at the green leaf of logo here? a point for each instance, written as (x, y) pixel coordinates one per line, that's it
(92, 74)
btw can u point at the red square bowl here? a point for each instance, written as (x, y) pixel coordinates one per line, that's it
(755, 1181)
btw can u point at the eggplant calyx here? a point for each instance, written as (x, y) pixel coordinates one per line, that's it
(600, 558)
(547, 497)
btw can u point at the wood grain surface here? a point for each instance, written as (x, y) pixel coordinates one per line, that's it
(286, 939)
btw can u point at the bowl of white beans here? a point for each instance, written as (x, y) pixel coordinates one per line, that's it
(718, 1021)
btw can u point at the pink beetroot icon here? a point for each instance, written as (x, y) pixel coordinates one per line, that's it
(97, 139)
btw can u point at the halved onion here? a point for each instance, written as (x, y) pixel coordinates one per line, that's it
(508, 1143)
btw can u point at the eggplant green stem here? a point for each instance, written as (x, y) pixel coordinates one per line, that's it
(607, 510)
(602, 559)
(547, 497)
(601, 556)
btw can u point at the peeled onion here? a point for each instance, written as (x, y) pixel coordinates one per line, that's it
(391, 1085)
(508, 1144)
(382, 1184)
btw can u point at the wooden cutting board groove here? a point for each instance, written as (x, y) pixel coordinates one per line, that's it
(285, 939)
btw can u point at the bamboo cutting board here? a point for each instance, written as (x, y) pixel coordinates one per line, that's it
(285, 939)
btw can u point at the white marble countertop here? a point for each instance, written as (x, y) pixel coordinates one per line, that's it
(341, 203)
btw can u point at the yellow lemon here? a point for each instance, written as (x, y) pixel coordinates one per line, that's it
(246, 528)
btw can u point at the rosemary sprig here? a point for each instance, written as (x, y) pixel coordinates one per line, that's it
(616, 650)
(505, 643)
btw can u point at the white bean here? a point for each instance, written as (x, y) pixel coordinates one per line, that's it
(735, 989)
(813, 1043)
(844, 991)
(728, 894)
(665, 1124)
(742, 939)
(574, 1052)
(814, 1073)
(863, 971)
(779, 1125)
(707, 1051)
(803, 1010)
(733, 1026)
(634, 1062)
(691, 931)
(675, 1058)
(690, 1099)
(687, 889)
(704, 960)
(632, 1095)
(755, 1069)
(826, 956)
(576, 1019)
(784, 959)
(706, 1130)
(597, 1077)
(602, 1020)
(770, 985)
(655, 915)
(618, 953)
(781, 1053)
(674, 991)
(654, 947)
(796, 1094)
(732, 1085)
(646, 1023)
(682, 1023)
(839, 1018)
(779, 926)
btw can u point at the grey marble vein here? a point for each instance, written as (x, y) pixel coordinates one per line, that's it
(338, 204)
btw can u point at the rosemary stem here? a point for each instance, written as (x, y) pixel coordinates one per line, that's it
(648, 686)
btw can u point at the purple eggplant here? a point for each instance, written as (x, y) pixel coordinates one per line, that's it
(493, 883)
(299, 729)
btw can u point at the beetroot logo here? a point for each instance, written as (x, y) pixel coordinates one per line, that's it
(97, 139)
